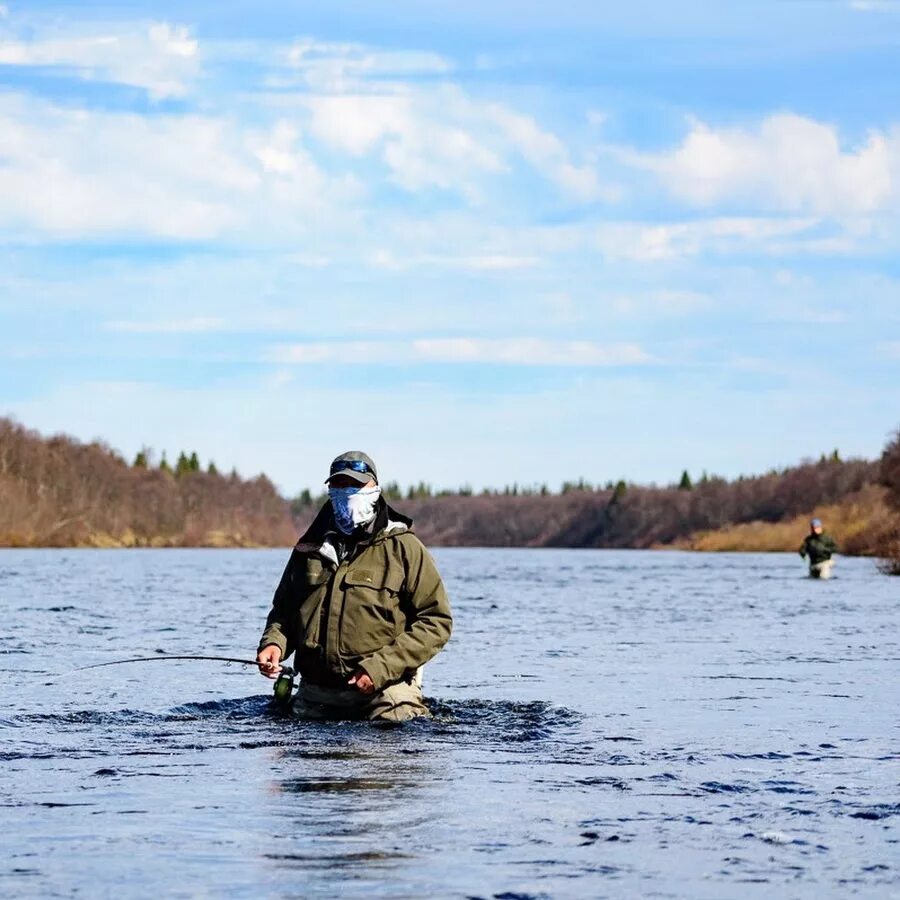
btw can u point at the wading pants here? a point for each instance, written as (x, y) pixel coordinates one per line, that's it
(395, 703)
(822, 569)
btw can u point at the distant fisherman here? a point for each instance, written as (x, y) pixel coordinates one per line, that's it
(818, 546)
(360, 605)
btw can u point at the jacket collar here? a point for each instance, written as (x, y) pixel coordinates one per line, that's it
(316, 538)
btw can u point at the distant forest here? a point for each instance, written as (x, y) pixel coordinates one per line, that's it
(56, 491)
(855, 493)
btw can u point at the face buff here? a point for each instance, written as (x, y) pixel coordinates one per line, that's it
(353, 506)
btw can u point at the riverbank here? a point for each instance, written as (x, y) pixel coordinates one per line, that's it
(127, 540)
(58, 492)
(861, 524)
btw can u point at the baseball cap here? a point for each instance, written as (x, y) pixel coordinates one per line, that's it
(356, 464)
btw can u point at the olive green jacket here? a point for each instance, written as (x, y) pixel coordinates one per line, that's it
(818, 547)
(383, 609)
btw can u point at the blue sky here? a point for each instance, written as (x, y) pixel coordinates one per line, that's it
(484, 242)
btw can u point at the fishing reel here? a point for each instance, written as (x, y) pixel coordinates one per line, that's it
(283, 690)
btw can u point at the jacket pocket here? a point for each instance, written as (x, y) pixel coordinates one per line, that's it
(314, 574)
(371, 617)
(315, 587)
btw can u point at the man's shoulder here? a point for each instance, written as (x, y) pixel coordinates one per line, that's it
(407, 544)
(406, 537)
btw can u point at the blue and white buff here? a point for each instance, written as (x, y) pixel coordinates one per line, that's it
(353, 507)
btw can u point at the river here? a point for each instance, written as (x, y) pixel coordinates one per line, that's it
(607, 724)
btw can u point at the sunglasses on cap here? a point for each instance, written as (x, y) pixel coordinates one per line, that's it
(356, 465)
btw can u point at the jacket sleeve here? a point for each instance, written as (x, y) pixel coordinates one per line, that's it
(803, 549)
(830, 544)
(429, 621)
(279, 628)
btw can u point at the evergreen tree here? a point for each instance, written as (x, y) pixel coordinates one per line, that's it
(835, 456)
(164, 464)
(141, 461)
(619, 491)
(301, 502)
(420, 491)
(685, 484)
(183, 465)
(194, 462)
(211, 468)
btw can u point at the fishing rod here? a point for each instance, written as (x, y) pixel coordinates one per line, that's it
(231, 659)
(284, 684)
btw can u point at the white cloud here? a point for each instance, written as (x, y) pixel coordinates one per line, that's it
(547, 154)
(73, 173)
(524, 351)
(159, 57)
(530, 352)
(282, 154)
(307, 174)
(441, 137)
(333, 67)
(420, 148)
(789, 163)
(355, 124)
(365, 102)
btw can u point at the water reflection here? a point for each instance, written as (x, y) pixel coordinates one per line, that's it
(337, 785)
(335, 860)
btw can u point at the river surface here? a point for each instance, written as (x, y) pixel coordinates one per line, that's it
(607, 724)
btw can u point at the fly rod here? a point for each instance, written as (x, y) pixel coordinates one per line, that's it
(284, 684)
(139, 659)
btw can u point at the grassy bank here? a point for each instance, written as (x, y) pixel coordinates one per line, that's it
(860, 523)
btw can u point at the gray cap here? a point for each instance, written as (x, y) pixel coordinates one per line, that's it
(356, 464)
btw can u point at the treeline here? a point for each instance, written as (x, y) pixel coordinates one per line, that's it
(59, 492)
(624, 515)
(629, 515)
(392, 490)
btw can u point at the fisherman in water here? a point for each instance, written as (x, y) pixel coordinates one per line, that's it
(818, 546)
(360, 605)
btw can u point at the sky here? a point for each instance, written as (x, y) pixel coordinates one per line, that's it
(484, 242)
